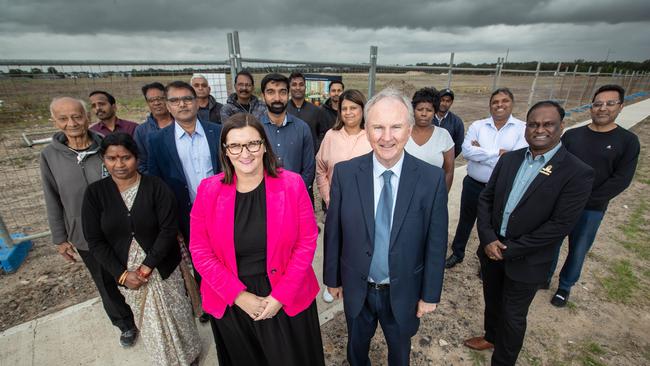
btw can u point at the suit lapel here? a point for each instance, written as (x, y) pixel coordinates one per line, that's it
(511, 173)
(212, 136)
(170, 144)
(274, 213)
(407, 183)
(555, 163)
(224, 218)
(365, 184)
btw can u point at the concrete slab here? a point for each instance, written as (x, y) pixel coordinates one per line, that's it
(82, 334)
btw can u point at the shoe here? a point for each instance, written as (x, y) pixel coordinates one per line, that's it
(204, 318)
(327, 297)
(560, 298)
(545, 286)
(452, 261)
(128, 337)
(478, 343)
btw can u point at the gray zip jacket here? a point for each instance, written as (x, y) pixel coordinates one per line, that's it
(66, 174)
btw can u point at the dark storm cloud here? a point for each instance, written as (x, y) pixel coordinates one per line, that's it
(124, 16)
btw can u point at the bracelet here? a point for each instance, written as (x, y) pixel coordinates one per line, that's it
(123, 278)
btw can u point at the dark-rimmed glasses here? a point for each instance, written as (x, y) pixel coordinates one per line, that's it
(252, 147)
(177, 100)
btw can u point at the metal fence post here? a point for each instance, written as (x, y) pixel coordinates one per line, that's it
(231, 58)
(532, 87)
(566, 71)
(568, 93)
(593, 90)
(584, 89)
(495, 80)
(450, 70)
(235, 37)
(372, 71)
(557, 72)
(5, 236)
(611, 80)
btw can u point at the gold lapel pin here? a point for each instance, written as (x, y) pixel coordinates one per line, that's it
(547, 170)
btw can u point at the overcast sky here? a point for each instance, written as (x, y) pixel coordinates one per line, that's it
(406, 32)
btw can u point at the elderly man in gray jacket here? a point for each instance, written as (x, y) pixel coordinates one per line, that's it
(68, 165)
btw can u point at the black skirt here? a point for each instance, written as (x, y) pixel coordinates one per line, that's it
(281, 340)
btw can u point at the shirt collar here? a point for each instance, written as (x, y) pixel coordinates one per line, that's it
(268, 121)
(378, 169)
(179, 132)
(443, 117)
(510, 121)
(547, 156)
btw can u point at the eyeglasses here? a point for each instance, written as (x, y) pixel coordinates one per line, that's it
(156, 100)
(177, 100)
(251, 146)
(609, 104)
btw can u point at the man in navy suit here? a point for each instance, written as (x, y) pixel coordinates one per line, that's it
(185, 152)
(531, 202)
(386, 234)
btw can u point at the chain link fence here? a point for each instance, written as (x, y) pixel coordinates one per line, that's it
(27, 87)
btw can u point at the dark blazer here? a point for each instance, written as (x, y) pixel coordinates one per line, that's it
(546, 213)
(165, 163)
(418, 240)
(109, 226)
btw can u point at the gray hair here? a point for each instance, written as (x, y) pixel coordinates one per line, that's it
(199, 76)
(390, 93)
(60, 99)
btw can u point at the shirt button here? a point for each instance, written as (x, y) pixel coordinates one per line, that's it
(132, 232)
(278, 144)
(129, 214)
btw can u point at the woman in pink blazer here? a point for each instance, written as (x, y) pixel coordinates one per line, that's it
(253, 238)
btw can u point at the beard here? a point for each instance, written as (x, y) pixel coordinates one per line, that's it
(276, 108)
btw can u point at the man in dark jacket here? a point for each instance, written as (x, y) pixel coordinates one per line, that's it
(159, 117)
(243, 100)
(330, 108)
(533, 199)
(209, 108)
(303, 109)
(449, 121)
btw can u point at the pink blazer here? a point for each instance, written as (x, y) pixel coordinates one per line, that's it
(291, 243)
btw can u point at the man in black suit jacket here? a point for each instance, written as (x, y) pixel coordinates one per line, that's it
(531, 202)
(387, 264)
(184, 153)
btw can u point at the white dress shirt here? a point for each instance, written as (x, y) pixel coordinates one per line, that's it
(377, 170)
(481, 160)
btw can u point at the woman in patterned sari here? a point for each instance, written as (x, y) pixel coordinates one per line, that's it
(130, 223)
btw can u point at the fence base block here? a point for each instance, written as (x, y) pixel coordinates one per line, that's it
(12, 258)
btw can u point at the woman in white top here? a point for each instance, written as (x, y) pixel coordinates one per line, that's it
(428, 142)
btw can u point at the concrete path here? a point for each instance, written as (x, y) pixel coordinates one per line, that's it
(82, 334)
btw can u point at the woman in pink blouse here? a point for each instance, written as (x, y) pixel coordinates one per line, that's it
(346, 140)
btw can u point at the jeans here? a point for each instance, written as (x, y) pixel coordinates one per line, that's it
(581, 239)
(468, 206)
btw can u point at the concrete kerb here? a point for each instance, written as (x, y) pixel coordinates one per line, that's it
(81, 334)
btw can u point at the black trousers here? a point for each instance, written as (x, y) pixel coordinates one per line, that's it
(116, 308)
(468, 206)
(362, 328)
(506, 308)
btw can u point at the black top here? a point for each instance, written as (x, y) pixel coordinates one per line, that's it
(311, 114)
(613, 155)
(109, 226)
(250, 231)
(454, 125)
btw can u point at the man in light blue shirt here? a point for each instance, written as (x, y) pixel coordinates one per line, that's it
(194, 152)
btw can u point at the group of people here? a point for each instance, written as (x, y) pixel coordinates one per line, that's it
(221, 196)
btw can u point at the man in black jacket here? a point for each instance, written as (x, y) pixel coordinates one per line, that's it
(331, 106)
(612, 152)
(449, 121)
(532, 200)
(209, 108)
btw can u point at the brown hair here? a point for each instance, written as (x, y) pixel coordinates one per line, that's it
(356, 97)
(241, 120)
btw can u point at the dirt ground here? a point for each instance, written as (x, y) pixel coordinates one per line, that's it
(595, 328)
(599, 327)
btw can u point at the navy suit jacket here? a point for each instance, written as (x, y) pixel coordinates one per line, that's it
(418, 240)
(545, 214)
(163, 162)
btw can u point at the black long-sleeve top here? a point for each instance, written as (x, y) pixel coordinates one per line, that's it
(109, 226)
(613, 155)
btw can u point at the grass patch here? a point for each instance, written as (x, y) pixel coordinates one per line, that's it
(621, 284)
(477, 358)
(636, 237)
(573, 308)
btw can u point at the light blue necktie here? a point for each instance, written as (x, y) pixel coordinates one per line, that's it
(379, 264)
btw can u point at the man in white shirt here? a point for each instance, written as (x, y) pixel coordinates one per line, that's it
(485, 142)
